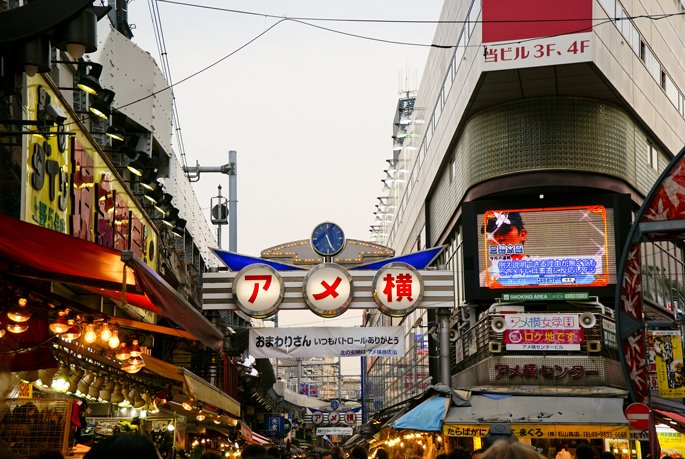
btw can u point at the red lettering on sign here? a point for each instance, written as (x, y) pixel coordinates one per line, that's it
(329, 290)
(267, 284)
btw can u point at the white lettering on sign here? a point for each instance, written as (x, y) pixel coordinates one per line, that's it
(562, 49)
(397, 289)
(258, 290)
(328, 290)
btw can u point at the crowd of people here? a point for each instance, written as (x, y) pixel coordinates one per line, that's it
(141, 447)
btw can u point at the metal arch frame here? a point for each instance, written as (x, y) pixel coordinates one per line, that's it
(626, 324)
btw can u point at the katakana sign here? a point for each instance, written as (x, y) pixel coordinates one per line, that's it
(542, 332)
(397, 289)
(326, 342)
(546, 371)
(328, 290)
(258, 290)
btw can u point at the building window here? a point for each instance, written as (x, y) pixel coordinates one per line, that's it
(643, 51)
(652, 155)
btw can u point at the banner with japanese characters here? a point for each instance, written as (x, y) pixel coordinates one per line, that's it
(326, 342)
(542, 332)
(670, 373)
(531, 431)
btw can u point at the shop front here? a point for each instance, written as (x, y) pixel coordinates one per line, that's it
(546, 423)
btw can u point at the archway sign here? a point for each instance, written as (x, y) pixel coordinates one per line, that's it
(260, 287)
(659, 219)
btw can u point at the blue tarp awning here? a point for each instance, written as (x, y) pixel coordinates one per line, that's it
(426, 417)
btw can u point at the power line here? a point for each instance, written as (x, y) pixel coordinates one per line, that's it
(406, 21)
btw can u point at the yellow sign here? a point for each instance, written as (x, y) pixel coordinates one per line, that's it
(70, 188)
(542, 431)
(25, 390)
(669, 363)
(672, 443)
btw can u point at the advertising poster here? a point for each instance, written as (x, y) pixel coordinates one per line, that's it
(651, 362)
(458, 351)
(547, 247)
(672, 443)
(668, 352)
(542, 332)
(472, 340)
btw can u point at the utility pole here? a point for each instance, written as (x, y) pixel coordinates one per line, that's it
(444, 324)
(230, 169)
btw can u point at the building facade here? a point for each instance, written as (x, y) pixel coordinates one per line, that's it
(534, 137)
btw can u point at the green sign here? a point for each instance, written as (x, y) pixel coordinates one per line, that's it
(609, 334)
(545, 296)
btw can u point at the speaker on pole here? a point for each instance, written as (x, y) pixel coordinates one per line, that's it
(587, 320)
(498, 324)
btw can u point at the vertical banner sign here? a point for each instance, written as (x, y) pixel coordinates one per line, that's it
(542, 332)
(668, 351)
(458, 351)
(609, 334)
(532, 33)
(651, 363)
(310, 342)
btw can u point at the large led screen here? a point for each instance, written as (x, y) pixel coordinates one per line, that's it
(546, 247)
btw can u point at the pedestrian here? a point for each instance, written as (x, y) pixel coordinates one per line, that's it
(503, 449)
(563, 453)
(358, 452)
(210, 455)
(585, 451)
(458, 452)
(607, 455)
(477, 453)
(122, 446)
(381, 454)
(253, 451)
(47, 455)
(274, 452)
(338, 452)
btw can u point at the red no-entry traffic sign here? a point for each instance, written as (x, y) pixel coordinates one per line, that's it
(637, 415)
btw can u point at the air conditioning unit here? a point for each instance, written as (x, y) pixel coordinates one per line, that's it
(594, 346)
(495, 347)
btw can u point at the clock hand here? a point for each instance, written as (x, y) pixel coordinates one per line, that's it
(329, 241)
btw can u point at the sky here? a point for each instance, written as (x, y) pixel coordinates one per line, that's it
(309, 111)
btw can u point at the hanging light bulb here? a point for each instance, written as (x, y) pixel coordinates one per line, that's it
(17, 327)
(187, 404)
(2, 331)
(123, 353)
(133, 365)
(60, 324)
(60, 382)
(19, 313)
(73, 332)
(216, 421)
(105, 333)
(135, 349)
(200, 417)
(90, 336)
(76, 376)
(114, 340)
(45, 377)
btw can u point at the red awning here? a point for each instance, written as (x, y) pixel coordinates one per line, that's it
(679, 418)
(32, 251)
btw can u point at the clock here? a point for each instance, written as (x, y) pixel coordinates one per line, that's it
(328, 239)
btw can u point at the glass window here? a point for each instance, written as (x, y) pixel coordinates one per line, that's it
(473, 16)
(609, 6)
(652, 64)
(671, 90)
(461, 47)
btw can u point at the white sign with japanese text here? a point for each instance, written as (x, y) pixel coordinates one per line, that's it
(397, 289)
(333, 431)
(328, 290)
(542, 332)
(538, 52)
(326, 342)
(258, 290)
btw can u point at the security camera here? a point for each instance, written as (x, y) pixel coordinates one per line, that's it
(55, 114)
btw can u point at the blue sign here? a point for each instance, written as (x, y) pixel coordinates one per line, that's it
(335, 405)
(275, 426)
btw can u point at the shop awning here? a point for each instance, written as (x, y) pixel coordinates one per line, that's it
(201, 390)
(666, 416)
(426, 417)
(32, 251)
(517, 409)
(260, 439)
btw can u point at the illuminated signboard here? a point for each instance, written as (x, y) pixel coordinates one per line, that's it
(546, 247)
(70, 188)
(523, 247)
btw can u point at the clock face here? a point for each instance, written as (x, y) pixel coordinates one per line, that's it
(328, 239)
